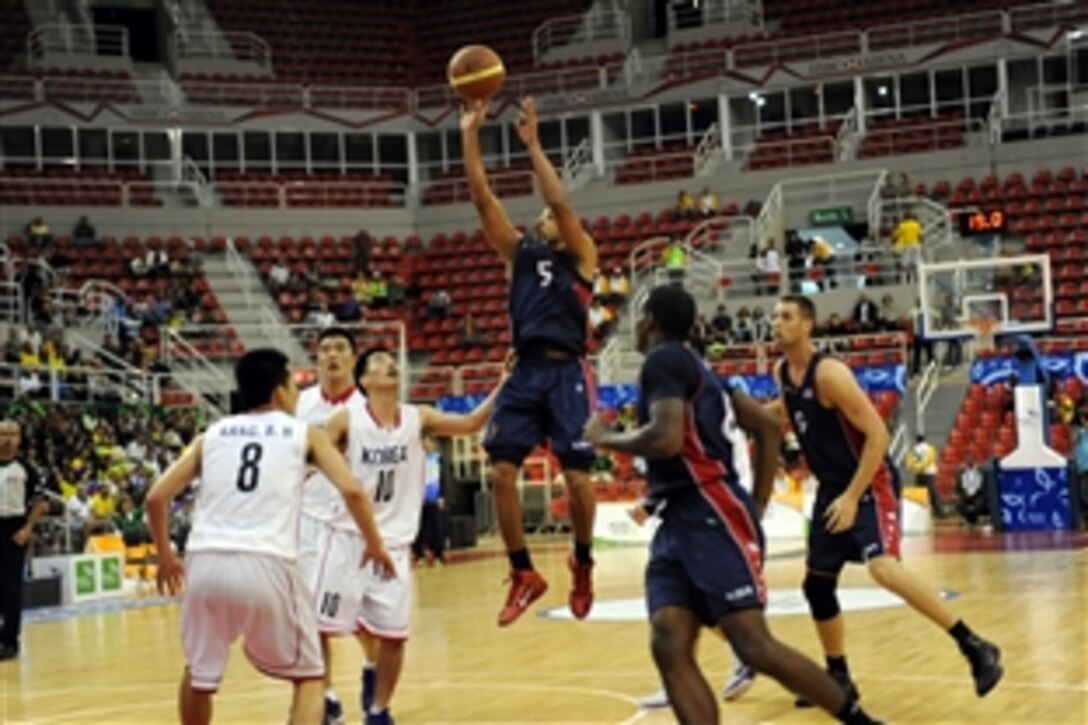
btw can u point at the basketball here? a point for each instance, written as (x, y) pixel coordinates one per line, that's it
(476, 72)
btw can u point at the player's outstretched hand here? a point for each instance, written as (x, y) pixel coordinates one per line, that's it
(170, 574)
(382, 562)
(473, 114)
(526, 123)
(596, 429)
(841, 513)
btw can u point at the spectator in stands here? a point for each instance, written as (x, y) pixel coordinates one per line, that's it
(685, 206)
(322, 316)
(700, 335)
(37, 233)
(888, 315)
(601, 319)
(708, 203)
(922, 462)
(761, 326)
(795, 260)
(866, 315)
(771, 267)
(835, 325)
(602, 286)
(129, 522)
(438, 306)
(470, 332)
(363, 245)
(973, 491)
(83, 234)
(103, 507)
(721, 323)
(278, 276)
(676, 261)
(618, 287)
(742, 327)
(823, 257)
(907, 245)
(379, 290)
(157, 262)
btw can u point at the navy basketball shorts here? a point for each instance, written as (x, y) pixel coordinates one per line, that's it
(707, 558)
(544, 400)
(876, 530)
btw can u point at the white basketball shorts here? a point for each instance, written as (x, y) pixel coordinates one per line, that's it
(255, 596)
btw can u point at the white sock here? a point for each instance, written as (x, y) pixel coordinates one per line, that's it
(331, 695)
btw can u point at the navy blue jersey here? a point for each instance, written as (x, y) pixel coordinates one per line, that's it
(831, 444)
(715, 449)
(549, 301)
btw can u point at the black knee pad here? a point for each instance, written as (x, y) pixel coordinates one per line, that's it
(820, 593)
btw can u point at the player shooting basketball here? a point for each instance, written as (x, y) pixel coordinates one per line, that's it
(552, 391)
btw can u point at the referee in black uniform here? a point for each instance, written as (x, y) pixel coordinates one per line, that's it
(21, 505)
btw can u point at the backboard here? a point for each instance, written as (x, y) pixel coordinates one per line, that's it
(998, 296)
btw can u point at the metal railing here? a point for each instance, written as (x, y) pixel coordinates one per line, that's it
(217, 45)
(297, 194)
(51, 191)
(936, 30)
(771, 216)
(194, 372)
(927, 388)
(1046, 15)
(578, 166)
(714, 12)
(792, 50)
(242, 269)
(599, 23)
(725, 232)
(68, 39)
(81, 383)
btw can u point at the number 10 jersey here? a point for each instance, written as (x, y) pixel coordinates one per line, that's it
(389, 463)
(250, 492)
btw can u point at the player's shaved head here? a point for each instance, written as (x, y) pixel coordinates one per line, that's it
(673, 312)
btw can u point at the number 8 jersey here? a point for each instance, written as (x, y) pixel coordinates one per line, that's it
(389, 462)
(250, 492)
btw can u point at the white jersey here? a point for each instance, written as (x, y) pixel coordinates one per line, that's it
(389, 462)
(320, 499)
(250, 490)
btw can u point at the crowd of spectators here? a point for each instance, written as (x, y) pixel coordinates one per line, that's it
(102, 459)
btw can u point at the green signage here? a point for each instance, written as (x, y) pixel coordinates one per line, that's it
(111, 574)
(836, 215)
(85, 577)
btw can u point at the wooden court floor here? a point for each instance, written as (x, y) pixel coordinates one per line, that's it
(1029, 593)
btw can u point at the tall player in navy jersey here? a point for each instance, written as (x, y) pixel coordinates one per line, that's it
(706, 559)
(856, 515)
(551, 392)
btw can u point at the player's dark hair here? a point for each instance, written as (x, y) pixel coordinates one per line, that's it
(258, 373)
(807, 307)
(335, 331)
(673, 310)
(363, 360)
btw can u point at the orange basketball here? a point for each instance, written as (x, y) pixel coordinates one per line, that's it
(476, 72)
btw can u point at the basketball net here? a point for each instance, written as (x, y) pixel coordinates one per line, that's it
(983, 329)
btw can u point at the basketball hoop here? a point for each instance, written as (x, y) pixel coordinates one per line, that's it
(983, 329)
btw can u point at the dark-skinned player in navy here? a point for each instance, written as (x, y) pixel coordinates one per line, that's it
(706, 558)
(856, 514)
(551, 393)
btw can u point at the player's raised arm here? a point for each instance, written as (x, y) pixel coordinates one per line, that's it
(180, 474)
(499, 230)
(580, 244)
(838, 386)
(332, 464)
(435, 422)
(762, 425)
